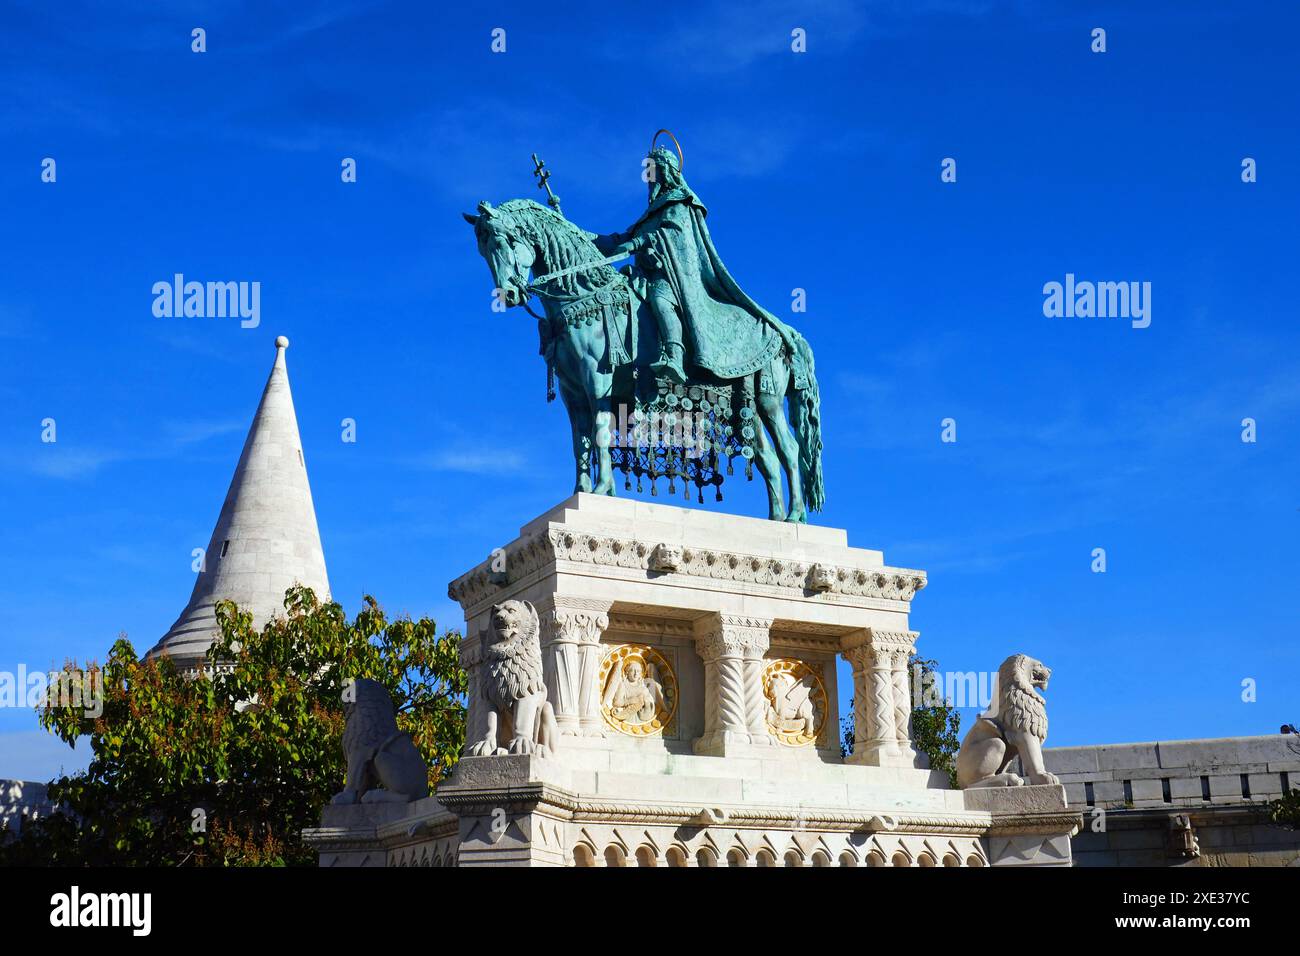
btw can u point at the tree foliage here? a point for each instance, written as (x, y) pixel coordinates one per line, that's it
(227, 767)
(1285, 811)
(935, 724)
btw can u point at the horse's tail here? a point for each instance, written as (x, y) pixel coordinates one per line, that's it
(806, 409)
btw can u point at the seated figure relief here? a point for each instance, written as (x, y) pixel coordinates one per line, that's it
(638, 691)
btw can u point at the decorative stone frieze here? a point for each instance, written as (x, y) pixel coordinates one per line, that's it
(542, 549)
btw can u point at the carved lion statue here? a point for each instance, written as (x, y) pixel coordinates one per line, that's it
(377, 753)
(1015, 725)
(513, 687)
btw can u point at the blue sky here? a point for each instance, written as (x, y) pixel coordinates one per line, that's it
(821, 171)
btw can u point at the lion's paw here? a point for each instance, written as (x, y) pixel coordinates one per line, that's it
(522, 745)
(484, 748)
(1044, 778)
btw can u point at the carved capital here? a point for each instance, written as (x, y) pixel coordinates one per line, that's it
(872, 640)
(573, 620)
(730, 635)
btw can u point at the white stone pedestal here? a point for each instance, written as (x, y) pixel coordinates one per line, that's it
(721, 745)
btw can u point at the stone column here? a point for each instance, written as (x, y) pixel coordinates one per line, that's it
(471, 655)
(571, 631)
(903, 702)
(757, 642)
(732, 649)
(882, 707)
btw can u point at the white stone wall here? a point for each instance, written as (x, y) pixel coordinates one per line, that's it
(1177, 773)
(1180, 802)
(21, 801)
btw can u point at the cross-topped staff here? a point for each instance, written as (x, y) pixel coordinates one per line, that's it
(543, 182)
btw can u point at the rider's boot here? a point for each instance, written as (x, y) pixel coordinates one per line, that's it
(669, 365)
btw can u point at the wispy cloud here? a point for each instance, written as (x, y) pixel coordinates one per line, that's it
(189, 433)
(57, 460)
(66, 460)
(723, 37)
(471, 461)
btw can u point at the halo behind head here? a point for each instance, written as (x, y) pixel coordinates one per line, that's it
(681, 160)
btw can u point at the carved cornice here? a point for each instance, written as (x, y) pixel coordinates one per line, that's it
(1046, 823)
(786, 818)
(580, 810)
(531, 555)
(390, 836)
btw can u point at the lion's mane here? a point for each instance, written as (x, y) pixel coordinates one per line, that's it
(1022, 707)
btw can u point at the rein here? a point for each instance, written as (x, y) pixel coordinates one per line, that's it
(571, 270)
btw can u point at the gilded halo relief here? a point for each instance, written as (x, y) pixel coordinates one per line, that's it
(638, 690)
(796, 702)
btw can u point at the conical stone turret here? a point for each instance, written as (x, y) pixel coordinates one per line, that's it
(266, 537)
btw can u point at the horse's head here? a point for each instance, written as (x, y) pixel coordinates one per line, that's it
(509, 254)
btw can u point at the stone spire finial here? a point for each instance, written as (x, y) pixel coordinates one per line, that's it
(266, 537)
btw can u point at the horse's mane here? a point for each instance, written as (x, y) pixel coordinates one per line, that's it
(563, 244)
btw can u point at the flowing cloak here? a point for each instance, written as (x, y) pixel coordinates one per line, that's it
(727, 332)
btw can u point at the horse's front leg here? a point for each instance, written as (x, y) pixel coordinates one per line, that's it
(772, 410)
(604, 433)
(581, 425)
(770, 468)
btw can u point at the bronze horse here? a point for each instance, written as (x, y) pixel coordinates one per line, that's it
(600, 340)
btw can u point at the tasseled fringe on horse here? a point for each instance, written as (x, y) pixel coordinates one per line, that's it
(807, 412)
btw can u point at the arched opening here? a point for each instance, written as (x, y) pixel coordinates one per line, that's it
(614, 855)
(820, 858)
(735, 858)
(848, 859)
(764, 858)
(676, 856)
(926, 859)
(583, 855)
(974, 860)
(900, 859)
(646, 857)
(793, 859)
(876, 858)
(705, 857)
(951, 859)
